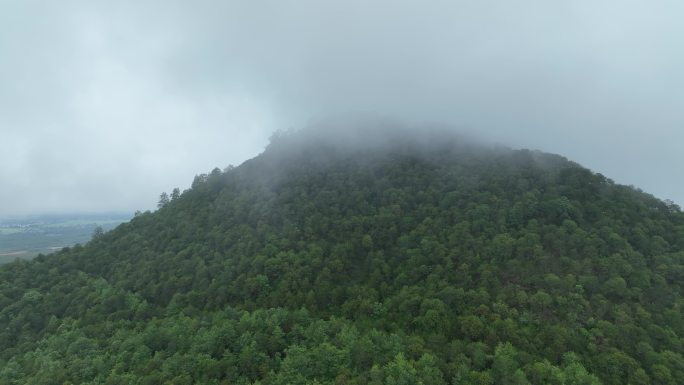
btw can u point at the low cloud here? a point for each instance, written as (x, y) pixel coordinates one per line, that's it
(105, 104)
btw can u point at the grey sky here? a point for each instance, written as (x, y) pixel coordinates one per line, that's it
(103, 105)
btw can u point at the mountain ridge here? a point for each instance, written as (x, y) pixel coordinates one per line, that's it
(433, 261)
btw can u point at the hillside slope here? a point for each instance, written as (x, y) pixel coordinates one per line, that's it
(397, 262)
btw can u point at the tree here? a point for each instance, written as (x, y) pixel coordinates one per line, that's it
(575, 374)
(163, 200)
(505, 368)
(400, 372)
(98, 232)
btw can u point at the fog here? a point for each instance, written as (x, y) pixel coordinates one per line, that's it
(103, 105)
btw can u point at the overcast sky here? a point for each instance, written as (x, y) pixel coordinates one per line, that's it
(103, 105)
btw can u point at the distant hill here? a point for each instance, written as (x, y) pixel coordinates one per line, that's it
(364, 258)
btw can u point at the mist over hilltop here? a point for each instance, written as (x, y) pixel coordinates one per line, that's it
(326, 261)
(105, 104)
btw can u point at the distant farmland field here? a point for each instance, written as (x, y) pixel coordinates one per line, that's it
(25, 238)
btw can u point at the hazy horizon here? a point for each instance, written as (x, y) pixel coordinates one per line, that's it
(105, 105)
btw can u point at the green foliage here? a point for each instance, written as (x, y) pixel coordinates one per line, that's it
(406, 264)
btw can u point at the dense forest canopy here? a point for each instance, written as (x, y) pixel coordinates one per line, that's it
(364, 259)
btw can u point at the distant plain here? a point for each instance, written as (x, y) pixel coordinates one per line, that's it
(25, 238)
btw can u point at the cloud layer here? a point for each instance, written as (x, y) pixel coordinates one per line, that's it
(105, 104)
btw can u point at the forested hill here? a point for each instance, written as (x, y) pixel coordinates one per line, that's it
(406, 261)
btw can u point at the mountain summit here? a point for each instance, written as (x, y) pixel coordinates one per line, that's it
(364, 258)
